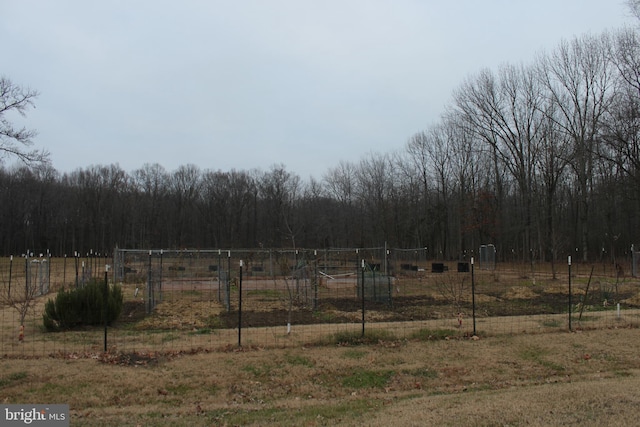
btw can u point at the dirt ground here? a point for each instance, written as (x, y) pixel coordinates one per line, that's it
(417, 297)
(589, 378)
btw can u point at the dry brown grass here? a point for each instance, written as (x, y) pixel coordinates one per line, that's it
(585, 378)
(425, 372)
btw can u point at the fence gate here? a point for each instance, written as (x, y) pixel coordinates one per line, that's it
(154, 283)
(377, 285)
(306, 283)
(38, 276)
(487, 257)
(224, 289)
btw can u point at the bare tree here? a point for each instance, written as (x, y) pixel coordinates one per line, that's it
(504, 111)
(553, 161)
(417, 170)
(98, 192)
(375, 183)
(453, 290)
(15, 142)
(634, 7)
(430, 153)
(20, 298)
(296, 283)
(418, 153)
(279, 190)
(150, 187)
(315, 209)
(225, 201)
(625, 54)
(622, 134)
(214, 202)
(469, 175)
(340, 185)
(185, 184)
(578, 80)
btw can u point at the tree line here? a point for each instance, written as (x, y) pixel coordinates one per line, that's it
(540, 159)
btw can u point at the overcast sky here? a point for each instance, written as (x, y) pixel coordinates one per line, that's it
(248, 84)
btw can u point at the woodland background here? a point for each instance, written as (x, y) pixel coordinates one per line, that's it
(540, 159)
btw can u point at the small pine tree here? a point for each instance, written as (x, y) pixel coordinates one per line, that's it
(82, 307)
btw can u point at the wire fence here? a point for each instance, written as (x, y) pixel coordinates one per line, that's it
(191, 300)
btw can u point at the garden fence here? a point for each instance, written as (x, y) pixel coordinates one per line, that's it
(188, 300)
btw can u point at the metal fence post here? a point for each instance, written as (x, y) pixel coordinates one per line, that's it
(149, 286)
(106, 304)
(569, 264)
(363, 298)
(10, 270)
(473, 297)
(240, 307)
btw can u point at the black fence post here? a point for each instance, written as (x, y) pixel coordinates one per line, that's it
(106, 304)
(76, 257)
(228, 284)
(10, 268)
(362, 298)
(315, 279)
(240, 306)
(91, 264)
(26, 275)
(48, 270)
(473, 297)
(149, 287)
(219, 270)
(160, 278)
(569, 264)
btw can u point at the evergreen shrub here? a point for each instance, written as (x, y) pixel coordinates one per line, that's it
(83, 306)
